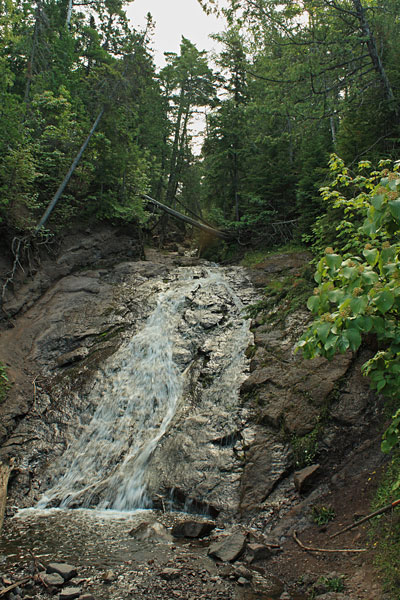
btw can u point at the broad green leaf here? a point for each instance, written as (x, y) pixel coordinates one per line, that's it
(371, 256)
(333, 260)
(388, 254)
(384, 301)
(393, 184)
(354, 337)
(377, 201)
(363, 323)
(342, 344)
(369, 228)
(323, 331)
(394, 206)
(349, 272)
(331, 342)
(313, 303)
(336, 296)
(359, 304)
(370, 277)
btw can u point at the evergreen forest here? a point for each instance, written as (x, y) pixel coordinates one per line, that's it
(301, 146)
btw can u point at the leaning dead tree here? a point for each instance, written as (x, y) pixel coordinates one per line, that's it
(174, 213)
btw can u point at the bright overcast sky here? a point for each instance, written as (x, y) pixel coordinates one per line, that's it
(174, 18)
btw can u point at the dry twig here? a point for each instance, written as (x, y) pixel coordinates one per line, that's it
(311, 549)
(367, 518)
(5, 591)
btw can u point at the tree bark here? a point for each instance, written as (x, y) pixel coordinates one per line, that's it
(68, 176)
(5, 471)
(374, 55)
(186, 219)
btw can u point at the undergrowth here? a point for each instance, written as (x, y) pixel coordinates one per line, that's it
(253, 257)
(385, 529)
(290, 293)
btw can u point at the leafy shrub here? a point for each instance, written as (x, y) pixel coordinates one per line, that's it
(359, 293)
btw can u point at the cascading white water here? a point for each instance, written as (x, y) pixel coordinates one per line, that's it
(137, 397)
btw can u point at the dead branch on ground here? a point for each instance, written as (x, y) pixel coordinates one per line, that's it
(312, 549)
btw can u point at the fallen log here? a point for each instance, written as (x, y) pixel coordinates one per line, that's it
(174, 213)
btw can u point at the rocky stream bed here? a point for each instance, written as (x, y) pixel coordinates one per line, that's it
(258, 459)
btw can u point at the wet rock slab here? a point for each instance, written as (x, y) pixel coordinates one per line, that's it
(229, 548)
(65, 570)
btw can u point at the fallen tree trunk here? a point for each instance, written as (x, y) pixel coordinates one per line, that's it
(5, 470)
(174, 213)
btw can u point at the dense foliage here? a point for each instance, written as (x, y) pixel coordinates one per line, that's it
(358, 291)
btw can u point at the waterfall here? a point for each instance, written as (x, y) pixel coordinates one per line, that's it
(137, 396)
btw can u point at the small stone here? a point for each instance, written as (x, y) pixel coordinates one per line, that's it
(65, 570)
(53, 580)
(241, 571)
(151, 532)
(169, 574)
(304, 477)
(257, 552)
(108, 577)
(192, 529)
(86, 597)
(70, 593)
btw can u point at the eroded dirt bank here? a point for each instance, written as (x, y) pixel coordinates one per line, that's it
(290, 414)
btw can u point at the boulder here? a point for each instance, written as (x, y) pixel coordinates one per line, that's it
(192, 529)
(303, 478)
(229, 548)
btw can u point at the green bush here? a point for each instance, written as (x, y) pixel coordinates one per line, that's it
(359, 293)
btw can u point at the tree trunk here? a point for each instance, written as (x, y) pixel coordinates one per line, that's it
(374, 55)
(4, 475)
(175, 148)
(68, 176)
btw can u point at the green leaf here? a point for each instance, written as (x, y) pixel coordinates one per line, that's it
(394, 206)
(331, 342)
(363, 323)
(377, 201)
(336, 296)
(359, 304)
(333, 260)
(323, 331)
(388, 254)
(370, 277)
(343, 344)
(313, 303)
(349, 272)
(369, 228)
(381, 384)
(384, 301)
(354, 337)
(371, 256)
